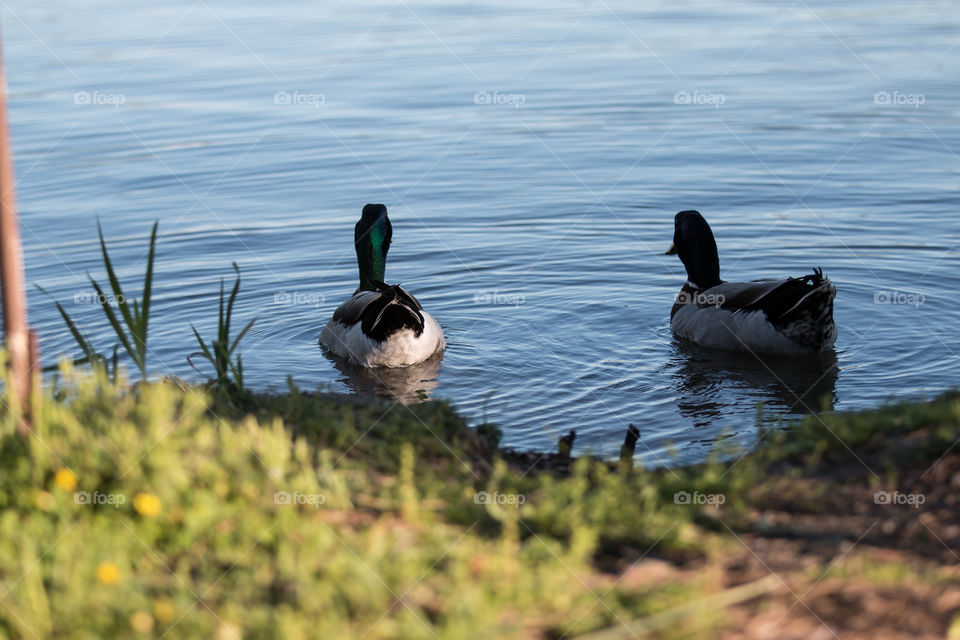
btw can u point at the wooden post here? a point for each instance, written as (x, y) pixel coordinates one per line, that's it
(15, 326)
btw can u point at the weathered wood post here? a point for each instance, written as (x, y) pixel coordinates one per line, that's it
(19, 340)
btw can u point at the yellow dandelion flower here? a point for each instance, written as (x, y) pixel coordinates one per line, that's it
(142, 622)
(65, 480)
(147, 504)
(108, 573)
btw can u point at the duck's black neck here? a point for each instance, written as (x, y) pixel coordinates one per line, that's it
(697, 248)
(703, 271)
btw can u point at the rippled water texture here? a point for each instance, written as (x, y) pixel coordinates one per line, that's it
(532, 156)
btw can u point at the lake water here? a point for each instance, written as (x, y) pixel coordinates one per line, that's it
(532, 157)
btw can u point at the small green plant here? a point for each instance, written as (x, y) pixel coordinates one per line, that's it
(132, 333)
(220, 351)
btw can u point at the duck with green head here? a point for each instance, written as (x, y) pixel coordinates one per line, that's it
(381, 325)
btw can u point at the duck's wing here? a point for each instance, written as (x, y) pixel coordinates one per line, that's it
(382, 312)
(780, 300)
(735, 296)
(351, 311)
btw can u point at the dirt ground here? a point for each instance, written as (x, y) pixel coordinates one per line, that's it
(853, 558)
(832, 558)
(842, 550)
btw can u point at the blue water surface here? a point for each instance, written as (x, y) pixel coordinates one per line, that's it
(532, 156)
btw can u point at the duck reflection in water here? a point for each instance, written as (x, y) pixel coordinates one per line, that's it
(407, 385)
(710, 382)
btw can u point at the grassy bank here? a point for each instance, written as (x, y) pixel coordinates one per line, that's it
(156, 511)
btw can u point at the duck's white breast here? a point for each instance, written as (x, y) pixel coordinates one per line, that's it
(401, 349)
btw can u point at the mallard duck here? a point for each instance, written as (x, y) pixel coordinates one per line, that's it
(381, 325)
(783, 317)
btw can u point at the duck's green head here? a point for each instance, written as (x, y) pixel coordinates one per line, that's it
(693, 241)
(371, 237)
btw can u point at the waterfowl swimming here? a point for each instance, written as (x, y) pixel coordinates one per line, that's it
(783, 317)
(381, 325)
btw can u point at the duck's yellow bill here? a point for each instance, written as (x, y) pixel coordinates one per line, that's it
(672, 251)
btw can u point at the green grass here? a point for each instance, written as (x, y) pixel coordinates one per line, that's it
(919, 429)
(134, 318)
(130, 320)
(220, 351)
(399, 548)
(292, 515)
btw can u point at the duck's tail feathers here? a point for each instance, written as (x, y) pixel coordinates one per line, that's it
(819, 296)
(808, 321)
(394, 309)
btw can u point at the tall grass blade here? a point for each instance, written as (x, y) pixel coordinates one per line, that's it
(239, 337)
(114, 282)
(84, 345)
(233, 298)
(132, 332)
(238, 373)
(148, 286)
(117, 327)
(220, 351)
(206, 352)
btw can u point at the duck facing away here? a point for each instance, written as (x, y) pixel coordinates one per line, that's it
(381, 325)
(781, 317)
